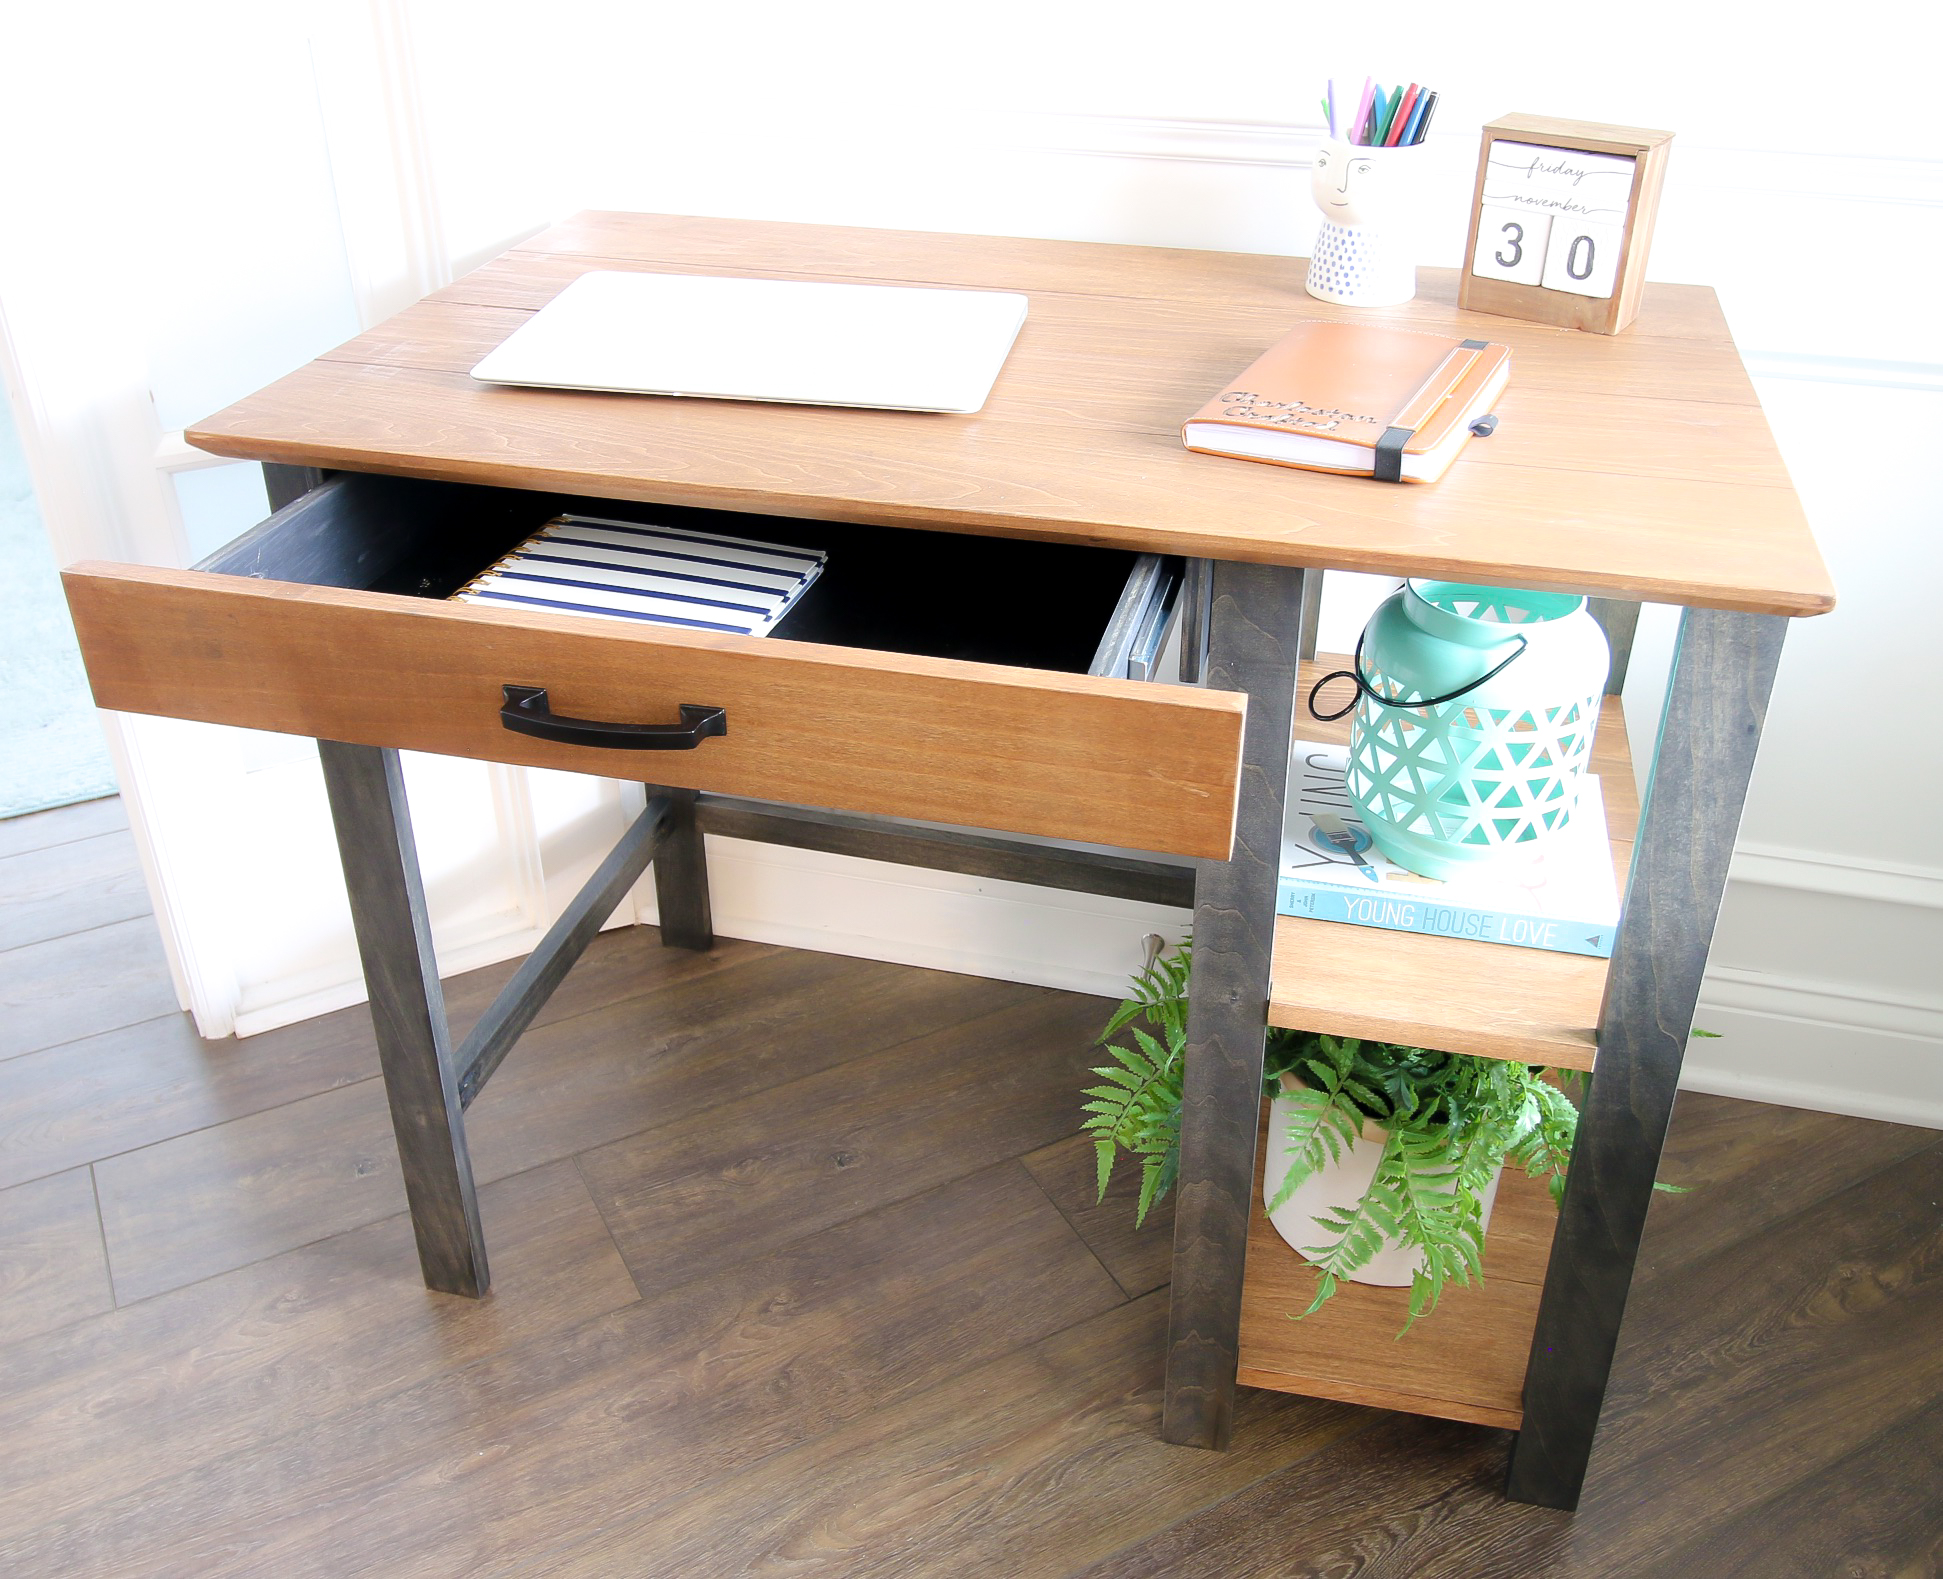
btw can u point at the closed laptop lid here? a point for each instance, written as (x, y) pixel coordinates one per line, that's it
(897, 347)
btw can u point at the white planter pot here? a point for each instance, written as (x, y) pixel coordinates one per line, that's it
(1339, 1185)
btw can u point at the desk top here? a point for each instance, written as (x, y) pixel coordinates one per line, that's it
(1634, 466)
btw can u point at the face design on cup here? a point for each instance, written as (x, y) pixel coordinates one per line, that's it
(1349, 185)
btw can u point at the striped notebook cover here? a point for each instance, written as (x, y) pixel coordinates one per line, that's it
(661, 575)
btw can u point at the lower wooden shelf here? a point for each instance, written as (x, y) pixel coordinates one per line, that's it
(1466, 1361)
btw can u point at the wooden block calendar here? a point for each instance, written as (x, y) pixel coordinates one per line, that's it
(1561, 221)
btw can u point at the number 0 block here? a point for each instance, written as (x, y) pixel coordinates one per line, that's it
(1510, 245)
(1582, 258)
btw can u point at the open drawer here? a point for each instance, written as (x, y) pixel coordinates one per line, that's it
(927, 675)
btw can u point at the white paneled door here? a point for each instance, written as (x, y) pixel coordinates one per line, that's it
(229, 191)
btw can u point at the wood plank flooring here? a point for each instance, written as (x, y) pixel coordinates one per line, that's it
(798, 1271)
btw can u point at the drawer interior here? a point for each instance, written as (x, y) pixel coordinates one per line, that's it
(934, 594)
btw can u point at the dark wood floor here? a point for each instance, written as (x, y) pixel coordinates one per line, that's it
(797, 1273)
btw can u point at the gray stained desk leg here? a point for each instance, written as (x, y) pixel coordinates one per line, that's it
(1716, 702)
(366, 785)
(1254, 637)
(681, 877)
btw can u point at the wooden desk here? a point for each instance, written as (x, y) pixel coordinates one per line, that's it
(1631, 468)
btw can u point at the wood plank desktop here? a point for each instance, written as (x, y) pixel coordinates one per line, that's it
(1637, 465)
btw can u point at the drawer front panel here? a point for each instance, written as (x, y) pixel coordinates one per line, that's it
(1063, 756)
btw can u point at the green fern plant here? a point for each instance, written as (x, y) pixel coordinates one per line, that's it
(1450, 1120)
(1138, 1110)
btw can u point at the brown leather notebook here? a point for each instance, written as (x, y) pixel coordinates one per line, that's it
(1355, 398)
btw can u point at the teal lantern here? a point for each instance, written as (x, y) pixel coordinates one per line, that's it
(1474, 714)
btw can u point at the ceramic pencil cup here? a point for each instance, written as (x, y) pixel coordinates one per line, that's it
(1365, 250)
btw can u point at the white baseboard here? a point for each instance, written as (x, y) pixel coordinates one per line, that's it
(1833, 1006)
(1812, 1059)
(1814, 1044)
(305, 996)
(837, 904)
(938, 920)
(1820, 999)
(1821, 1045)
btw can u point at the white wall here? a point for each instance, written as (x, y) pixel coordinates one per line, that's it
(1824, 977)
(1152, 122)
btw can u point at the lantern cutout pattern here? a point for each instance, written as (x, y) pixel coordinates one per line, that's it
(1475, 711)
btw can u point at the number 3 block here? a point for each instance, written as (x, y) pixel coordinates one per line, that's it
(1583, 258)
(1510, 244)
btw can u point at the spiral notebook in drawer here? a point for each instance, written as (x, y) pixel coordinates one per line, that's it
(658, 575)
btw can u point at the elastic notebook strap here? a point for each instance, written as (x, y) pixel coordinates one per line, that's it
(1389, 448)
(1389, 453)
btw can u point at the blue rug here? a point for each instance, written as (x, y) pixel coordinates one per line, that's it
(51, 748)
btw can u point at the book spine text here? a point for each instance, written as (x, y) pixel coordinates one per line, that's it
(1397, 913)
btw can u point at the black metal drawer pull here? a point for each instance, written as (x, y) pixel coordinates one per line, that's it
(526, 712)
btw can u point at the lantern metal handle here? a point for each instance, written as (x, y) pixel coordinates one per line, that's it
(1366, 689)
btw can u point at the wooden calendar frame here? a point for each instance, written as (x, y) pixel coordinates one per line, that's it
(1538, 303)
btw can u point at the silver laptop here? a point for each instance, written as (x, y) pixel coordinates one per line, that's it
(895, 347)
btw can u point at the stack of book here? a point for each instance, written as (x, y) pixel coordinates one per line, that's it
(1563, 896)
(662, 575)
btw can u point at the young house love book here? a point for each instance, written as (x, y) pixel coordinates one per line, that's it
(1355, 398)
(1564, 897)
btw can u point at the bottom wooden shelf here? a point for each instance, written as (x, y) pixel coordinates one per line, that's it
(1466, 1361)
